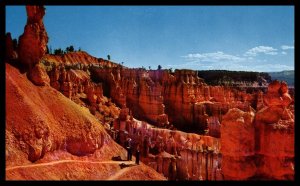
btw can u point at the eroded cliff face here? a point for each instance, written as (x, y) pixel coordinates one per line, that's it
(181, 99)
(263, 146)
(175, 154)
(159, 97)
(133, 88)
(238, 144)
(275, 133)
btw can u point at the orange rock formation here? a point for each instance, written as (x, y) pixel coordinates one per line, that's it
(33, 42)
(260, 144)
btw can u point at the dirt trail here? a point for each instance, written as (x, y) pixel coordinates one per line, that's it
(67, 161)
(119, 173)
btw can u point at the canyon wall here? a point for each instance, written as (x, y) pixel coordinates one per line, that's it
(175, 154)
(133, 88)
(181, 98)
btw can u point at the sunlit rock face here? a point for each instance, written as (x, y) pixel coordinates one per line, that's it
(175, 154)
(33, 42)
(275, 133)
(237, 139)
(38, 75)
(52, 122)
(133, 88)
(266, 150)
(193, 105)
(181, 98)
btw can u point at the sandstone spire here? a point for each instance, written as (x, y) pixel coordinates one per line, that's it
(33, 42)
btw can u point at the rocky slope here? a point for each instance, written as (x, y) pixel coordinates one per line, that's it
(43, 126)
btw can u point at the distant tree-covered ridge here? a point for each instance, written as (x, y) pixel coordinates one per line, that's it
(234, 78)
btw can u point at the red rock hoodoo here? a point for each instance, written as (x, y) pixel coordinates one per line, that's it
(33, 42)
(238, 145)
(262, 146)
(275, 134)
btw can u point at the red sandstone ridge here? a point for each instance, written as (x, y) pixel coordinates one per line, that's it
(79, 58)
(44, 128)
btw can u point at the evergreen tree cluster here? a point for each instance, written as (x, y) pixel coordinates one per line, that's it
(60, 51)
(221, 77)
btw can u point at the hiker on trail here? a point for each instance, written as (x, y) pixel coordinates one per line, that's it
(137, 154)
(129, 149)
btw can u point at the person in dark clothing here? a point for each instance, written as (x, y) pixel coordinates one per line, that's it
(129, 149)
(137, 154)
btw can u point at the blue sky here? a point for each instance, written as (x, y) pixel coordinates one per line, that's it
(247, 38)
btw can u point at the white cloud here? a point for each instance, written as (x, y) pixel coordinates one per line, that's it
(248, 61)
(213, 57)
(261, 49)
(286, 47)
